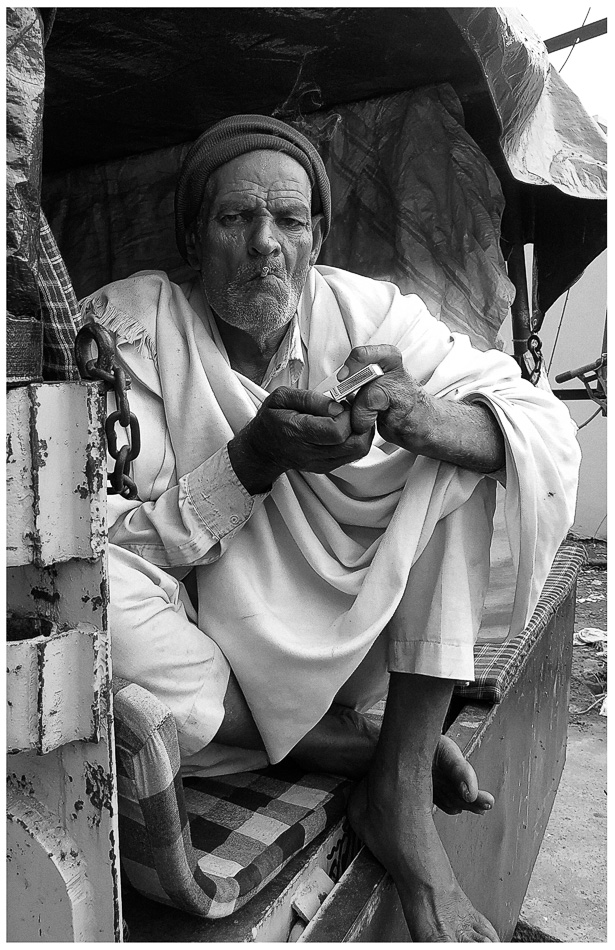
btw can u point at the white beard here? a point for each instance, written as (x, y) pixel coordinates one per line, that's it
(259, 306)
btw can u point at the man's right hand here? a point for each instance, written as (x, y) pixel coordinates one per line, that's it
(295, 429)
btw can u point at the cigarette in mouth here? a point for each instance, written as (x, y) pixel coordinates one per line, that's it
(264, 272)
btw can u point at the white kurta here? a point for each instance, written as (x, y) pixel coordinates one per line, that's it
(296, 598)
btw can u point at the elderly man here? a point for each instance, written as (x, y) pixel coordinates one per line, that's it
(338, 550)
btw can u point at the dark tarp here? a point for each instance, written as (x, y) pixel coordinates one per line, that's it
(122, 81)
(414, 201)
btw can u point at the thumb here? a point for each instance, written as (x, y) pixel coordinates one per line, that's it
(303, 400)
(368, 404)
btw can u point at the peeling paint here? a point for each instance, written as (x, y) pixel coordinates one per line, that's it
(22, 784)
(52, 567)
(99, 789)
(93, 473)
(42, 452)
(40, 675)
(117, 917)
(40, 593)
(10, 455)
(35, 537)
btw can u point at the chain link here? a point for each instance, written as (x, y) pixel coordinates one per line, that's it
(103, 367)
(534, 345)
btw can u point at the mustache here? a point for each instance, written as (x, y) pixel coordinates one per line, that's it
(246, 272)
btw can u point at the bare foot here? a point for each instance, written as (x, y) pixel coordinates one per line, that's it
(344, 742)
(400, 832)
(455, 785)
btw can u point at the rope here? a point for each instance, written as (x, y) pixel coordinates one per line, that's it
(587, 421)
(558, 329)
(575, 44)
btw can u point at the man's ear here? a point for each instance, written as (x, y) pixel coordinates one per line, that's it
(193, 248)
(317, 232)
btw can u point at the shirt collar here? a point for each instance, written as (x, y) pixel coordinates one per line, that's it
(288, 356)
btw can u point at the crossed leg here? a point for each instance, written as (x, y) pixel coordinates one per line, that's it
(410, 765)
(391, 811)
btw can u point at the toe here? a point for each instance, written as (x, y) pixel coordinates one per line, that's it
(455, 782)
(451, 762)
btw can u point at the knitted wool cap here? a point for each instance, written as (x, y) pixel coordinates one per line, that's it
(235, 136)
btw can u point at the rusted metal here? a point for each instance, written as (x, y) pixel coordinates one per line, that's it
(52, 864)
(103, 367)
(69, 594)
(42, 672)
(95, 353)
(63, 859)
(56, 505)
(590, 373)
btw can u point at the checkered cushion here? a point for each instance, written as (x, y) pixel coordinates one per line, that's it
(497, 664)
(207, 845)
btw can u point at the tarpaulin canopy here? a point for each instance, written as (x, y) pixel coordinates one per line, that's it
(122, 82)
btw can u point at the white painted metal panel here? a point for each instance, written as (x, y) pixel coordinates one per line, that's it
(63, 858)
(42, 673)
(55, 469)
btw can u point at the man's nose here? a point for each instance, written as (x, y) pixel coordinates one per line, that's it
(263, 238)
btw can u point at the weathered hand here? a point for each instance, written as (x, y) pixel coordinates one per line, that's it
(295, 429)
(395, 402)
(465, 434)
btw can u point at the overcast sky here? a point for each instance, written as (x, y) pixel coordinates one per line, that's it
(586, 72)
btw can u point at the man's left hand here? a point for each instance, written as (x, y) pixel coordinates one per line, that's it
(395, 402)
(451, 430)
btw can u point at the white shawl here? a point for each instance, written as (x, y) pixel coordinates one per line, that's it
(307, 585)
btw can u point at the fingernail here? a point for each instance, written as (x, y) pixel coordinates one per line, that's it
(465, 791)
(343, 373)
(335, 409)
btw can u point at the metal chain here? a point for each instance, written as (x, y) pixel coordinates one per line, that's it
(534, 345)
(104, 368)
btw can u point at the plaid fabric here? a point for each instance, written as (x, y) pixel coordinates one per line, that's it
(58, 310)
(207, 845)
(496, 665)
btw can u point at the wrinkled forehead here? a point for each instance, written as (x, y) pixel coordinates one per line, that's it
(262, 173)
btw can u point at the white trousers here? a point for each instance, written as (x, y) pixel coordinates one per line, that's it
(157, 644)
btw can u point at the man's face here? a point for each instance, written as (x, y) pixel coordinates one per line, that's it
(256, 214)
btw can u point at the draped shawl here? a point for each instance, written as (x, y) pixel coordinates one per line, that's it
(305, 588)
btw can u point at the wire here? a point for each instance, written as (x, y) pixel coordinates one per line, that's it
(587, 421)
(558, 329)
(575, 44)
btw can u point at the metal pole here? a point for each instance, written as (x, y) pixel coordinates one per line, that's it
(520, 308)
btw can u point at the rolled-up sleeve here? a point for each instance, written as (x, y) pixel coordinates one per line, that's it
(190, 523)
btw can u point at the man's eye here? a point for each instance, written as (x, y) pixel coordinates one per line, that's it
(292, 224)
(230, 218)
